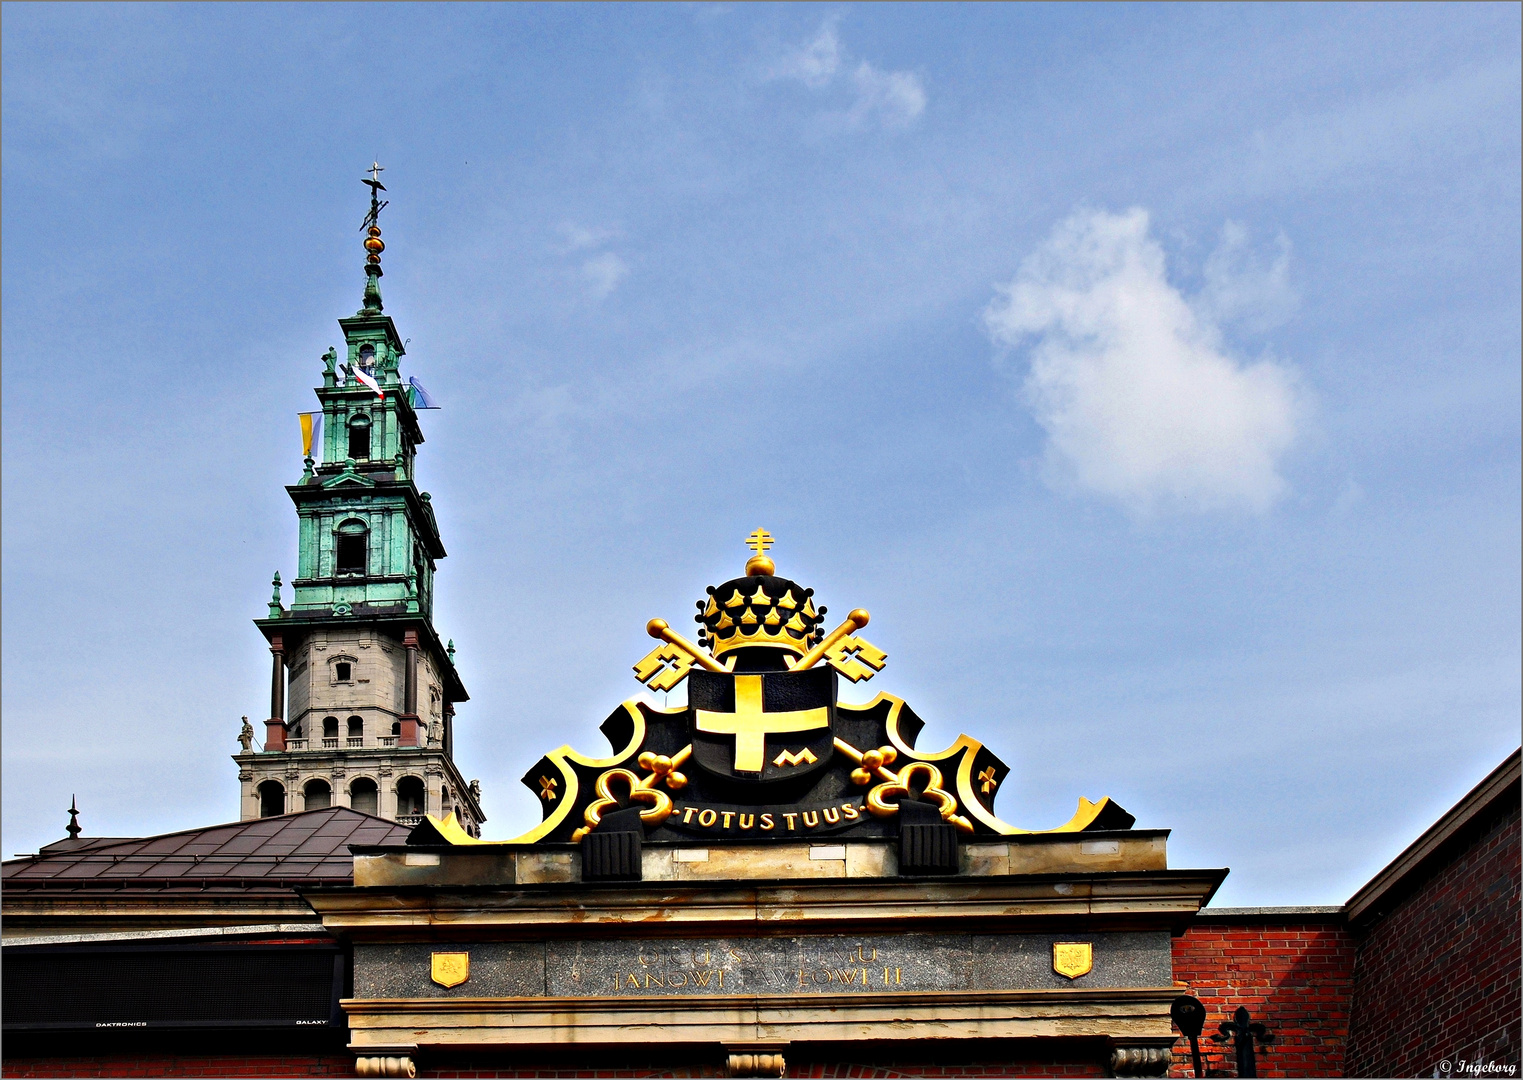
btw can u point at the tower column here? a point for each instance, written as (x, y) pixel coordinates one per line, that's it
(409, 716)
(275, 726)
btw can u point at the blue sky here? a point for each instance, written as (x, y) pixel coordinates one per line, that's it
(1150, 373)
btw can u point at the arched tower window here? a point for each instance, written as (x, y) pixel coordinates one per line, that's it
(411, 796)
(319, 795)
(364, 796)
(350, 547)
(356, 734)
(359, 437)
(272, 798)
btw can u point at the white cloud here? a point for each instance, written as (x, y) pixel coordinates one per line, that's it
(894, 99)
(897, 98)
(602, 273)
(814, 64)
(580, 238)
(1247, 286)
(1140, 401)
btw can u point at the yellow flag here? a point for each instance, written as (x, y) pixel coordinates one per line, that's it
(311, 430)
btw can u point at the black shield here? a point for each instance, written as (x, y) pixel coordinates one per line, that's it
(775, 725)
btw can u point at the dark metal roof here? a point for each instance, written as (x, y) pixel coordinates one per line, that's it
(310, 848)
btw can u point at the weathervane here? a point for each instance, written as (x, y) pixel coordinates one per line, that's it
(376, 187)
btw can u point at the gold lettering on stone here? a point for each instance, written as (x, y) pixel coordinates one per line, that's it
(767, 823)
(747, 821)
(707, 817)
(811, 819)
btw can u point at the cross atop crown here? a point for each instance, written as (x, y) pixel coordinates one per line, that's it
(760, 563)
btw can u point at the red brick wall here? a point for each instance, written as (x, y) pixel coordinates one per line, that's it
(1438, 977)
(1295, 976)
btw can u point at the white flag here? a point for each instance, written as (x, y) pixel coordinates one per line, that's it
(364, 377)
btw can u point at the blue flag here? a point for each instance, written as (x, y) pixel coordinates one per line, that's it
(418, 397)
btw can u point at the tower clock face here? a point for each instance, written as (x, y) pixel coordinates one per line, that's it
(757, 728)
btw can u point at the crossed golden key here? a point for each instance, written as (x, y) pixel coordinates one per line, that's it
(665, 666)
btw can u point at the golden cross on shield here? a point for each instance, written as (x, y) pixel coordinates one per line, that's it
(751, 726)
(1072, 958)
(451, 968)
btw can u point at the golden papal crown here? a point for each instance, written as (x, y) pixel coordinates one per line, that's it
(760, 609)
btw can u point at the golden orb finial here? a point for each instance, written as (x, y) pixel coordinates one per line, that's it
(760, 564)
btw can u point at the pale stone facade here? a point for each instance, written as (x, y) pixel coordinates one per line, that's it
(397, 774)
(341, 673)
(346, 692)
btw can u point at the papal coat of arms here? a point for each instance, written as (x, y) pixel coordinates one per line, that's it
(764, 750)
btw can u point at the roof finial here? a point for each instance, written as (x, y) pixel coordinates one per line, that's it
(760, 564)
(73, 830)
(371, 227)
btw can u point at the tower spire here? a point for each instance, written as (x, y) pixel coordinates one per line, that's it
(73, 830)
(371, 227)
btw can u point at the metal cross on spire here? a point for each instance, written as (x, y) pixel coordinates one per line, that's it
(373, 181)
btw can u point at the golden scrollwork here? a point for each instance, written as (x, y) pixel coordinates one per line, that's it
(547, 786)
(879, 806)
(660, 802)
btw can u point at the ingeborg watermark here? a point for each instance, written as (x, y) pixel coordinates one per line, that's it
(1461, 1067)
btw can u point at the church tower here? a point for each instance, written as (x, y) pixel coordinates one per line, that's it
(363, 694)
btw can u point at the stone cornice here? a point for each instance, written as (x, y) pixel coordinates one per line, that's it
(1156, 899)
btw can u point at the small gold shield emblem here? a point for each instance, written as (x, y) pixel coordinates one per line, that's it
(1072, 958)
(451, 968)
